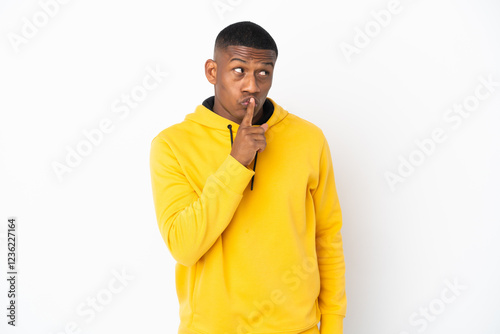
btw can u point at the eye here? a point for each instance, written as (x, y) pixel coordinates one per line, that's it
(264, 73)
(238, 70)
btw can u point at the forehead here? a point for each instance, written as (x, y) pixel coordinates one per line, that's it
(247, 53)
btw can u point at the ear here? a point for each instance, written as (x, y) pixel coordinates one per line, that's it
(211, 71)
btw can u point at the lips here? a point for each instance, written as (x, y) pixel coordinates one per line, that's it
(246, 101)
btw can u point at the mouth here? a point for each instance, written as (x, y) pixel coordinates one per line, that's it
(246, 101)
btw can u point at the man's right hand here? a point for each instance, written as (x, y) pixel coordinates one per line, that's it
(249, 139)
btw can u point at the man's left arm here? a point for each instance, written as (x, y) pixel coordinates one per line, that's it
(332, 297)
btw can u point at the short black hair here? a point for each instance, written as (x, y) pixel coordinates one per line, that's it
(247, 34)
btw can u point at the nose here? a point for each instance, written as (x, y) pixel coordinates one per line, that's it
(250, 84)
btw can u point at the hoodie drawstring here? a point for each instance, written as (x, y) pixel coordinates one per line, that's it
(255, 161)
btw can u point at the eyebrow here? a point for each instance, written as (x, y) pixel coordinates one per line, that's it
(243, 61)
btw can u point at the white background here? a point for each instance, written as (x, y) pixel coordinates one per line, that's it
(401, 245)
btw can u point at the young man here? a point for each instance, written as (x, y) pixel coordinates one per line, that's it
(258, 245)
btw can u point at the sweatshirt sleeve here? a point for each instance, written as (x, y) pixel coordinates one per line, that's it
(332, 297)
(190, 224)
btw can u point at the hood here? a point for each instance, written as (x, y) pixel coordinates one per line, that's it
(208, 118)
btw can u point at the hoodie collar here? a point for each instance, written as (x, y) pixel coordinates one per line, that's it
(207, 117)
(267, 108)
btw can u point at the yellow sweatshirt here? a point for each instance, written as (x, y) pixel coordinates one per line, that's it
(262, 260)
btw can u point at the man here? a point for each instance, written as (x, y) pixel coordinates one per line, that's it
(258, 246)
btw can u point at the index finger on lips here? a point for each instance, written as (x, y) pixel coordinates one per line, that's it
(247, 120)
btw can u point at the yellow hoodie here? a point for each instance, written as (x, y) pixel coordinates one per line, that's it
(262, 260)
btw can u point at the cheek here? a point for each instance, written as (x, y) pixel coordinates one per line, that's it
(231, 88)
(268, 82)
